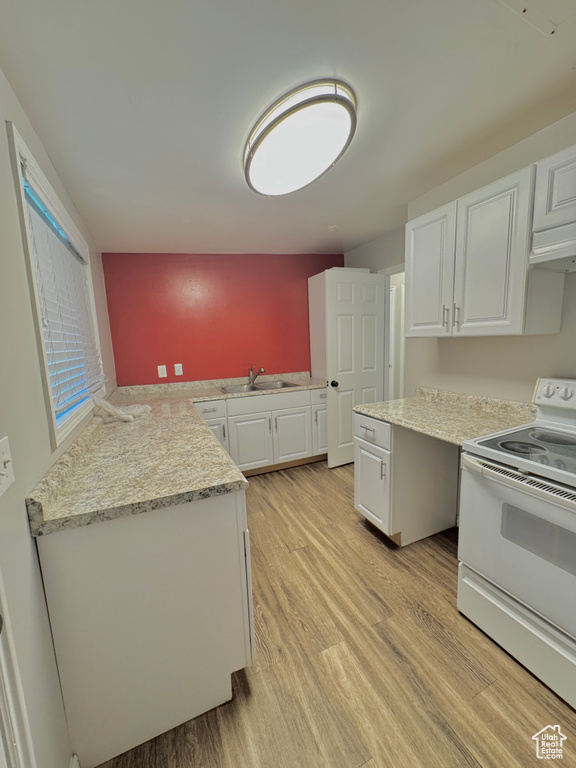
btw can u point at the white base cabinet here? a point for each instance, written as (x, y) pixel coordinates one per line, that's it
(372, 484)
(265, 430)
(250, 439)
(214, 414)
(292, 434)
(219, 429)
(405, 483)
(150, 615)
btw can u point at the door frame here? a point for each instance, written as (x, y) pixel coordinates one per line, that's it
(388, 273)
(13, 719)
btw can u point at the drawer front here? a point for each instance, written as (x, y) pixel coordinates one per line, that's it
(238, 406)
(319, 396)
(272, 402)
(373, 431)
(212, 409)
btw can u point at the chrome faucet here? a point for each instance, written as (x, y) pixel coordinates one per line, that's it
(253, 376)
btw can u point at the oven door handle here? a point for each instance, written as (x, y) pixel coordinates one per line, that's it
(535, 486)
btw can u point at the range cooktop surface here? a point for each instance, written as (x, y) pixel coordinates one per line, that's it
(547, 447)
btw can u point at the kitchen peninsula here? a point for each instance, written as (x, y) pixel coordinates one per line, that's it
(406, 457)
(144, 546)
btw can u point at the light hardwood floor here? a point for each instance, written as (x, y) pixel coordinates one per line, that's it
(362, 658)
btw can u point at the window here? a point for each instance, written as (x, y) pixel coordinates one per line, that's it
(59, 272)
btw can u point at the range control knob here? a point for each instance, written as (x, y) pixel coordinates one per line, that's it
(565, 393)
(547, 390)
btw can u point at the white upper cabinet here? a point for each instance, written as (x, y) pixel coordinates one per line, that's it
(555, 198)
(430, 242)
(492, 252)
(467, 267)
(554, 238)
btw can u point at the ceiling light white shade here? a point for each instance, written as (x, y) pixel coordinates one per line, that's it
(300, 137)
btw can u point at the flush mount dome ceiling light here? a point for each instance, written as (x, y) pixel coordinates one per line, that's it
(300, 137)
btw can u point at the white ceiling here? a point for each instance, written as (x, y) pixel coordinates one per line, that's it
(144, 107)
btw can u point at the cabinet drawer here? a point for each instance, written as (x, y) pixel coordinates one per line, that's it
(212, 409)
(319, 396)
(372, 430)
(270, 402)
(238, 406)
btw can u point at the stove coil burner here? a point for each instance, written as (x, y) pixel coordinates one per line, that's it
(552, 438)
(524, 449)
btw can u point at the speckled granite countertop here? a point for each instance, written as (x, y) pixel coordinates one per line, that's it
(115, 469)
(451, 416)
(210, 390)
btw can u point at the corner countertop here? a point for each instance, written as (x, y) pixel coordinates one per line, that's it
(115, 468)
(451, 416)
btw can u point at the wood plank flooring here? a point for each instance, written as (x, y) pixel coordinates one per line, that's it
(362, 658)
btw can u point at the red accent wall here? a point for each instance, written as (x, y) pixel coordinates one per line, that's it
(215, 314)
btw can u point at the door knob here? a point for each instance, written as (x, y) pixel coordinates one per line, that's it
(333, 383)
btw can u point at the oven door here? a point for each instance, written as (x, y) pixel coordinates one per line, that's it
(519, 532)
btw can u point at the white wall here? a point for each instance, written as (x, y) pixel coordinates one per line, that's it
(386, 251)
(506, 366)
(24, 420)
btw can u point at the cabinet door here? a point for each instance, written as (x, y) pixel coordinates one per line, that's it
(492, 253)
(319, 429)
(372, 484)
(250, 440)
(292, 434)
(218, 428)
(430, 242)
(555, 200)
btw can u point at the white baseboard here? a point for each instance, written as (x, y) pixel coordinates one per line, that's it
(75, 762)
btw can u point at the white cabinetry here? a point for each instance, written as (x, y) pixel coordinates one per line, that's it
(430, 244)
(372, 484)
(214, 414)
(150, 615)
(292, 434)
(555, 211)
(250, 438)
(319, 422)
(405, 483)
(270, 429)
(555, 197)
(467, 267)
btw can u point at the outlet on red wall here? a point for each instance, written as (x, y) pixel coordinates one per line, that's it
(215, 314)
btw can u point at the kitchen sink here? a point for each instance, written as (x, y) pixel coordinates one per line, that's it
(235, 388)
(275, 385)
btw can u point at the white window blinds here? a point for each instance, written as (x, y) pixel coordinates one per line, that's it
(63, 293)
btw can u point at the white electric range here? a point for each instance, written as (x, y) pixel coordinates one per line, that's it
(517, 540)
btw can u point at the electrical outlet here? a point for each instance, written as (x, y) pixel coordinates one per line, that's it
(6, 468)
(162, 372)
(178, 369)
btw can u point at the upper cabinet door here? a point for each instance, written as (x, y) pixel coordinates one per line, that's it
(555, 199)
(430, 273)
(492, 253)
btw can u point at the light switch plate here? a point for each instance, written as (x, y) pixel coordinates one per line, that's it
(6, 467)
(162, 372)
(178, 369)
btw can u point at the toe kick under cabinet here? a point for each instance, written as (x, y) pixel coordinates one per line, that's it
(405, 483)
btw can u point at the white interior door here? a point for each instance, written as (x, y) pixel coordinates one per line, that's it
(354, 353)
